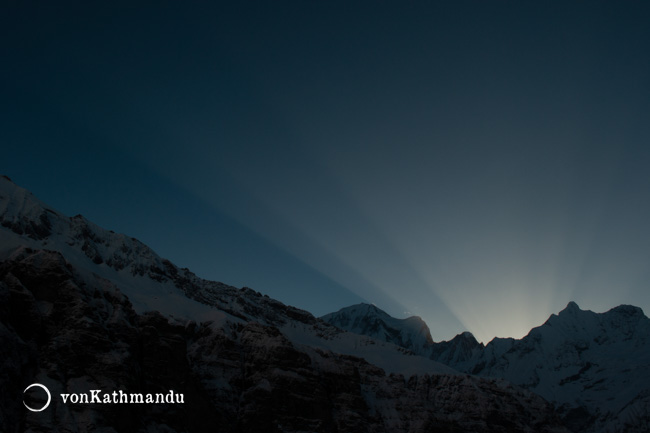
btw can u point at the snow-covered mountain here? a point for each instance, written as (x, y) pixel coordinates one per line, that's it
(365, 319)
(459, 351)
(84, 308)
(411, 333)
(594, 367)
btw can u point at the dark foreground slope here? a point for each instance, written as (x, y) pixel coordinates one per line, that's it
(57, 330)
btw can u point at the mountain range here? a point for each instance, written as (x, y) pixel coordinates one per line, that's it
(592, 366)
(85, 308)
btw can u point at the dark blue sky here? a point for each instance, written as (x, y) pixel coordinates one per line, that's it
(478, 164)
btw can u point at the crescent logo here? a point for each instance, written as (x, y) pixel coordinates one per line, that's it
(49, 397)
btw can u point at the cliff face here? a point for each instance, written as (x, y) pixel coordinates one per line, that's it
(58, 329)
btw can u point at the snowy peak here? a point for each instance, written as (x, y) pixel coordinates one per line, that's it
(570, 313)
(23, 213)
(627, 311)
(458, 351)
(36, 224)
(411, 333)
(580, 360)
(365, 319)
(573, 311)
(355, 313)
(618, 324)
(571, 308)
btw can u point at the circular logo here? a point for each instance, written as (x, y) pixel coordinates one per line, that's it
(49, 397)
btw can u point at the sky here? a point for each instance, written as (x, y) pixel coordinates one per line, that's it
(478, 164)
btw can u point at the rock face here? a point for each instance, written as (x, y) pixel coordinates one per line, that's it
(237, 376)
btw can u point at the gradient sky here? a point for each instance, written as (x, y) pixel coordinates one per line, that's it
(478, 164)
